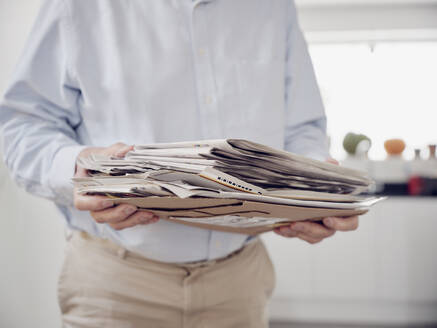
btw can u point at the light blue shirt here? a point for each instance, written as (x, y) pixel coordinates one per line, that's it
(140, 71)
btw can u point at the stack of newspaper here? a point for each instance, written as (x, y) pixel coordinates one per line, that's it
(230, 185)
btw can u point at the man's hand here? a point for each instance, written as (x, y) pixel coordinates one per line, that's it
(101, 208)
(315, 232)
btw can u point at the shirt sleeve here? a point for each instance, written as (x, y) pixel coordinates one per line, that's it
(38, 113)
(305, 125)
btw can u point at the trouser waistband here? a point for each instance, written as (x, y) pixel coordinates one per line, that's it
(123, 253)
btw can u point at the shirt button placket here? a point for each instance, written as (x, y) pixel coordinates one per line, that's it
(207, 93)
(208, 105)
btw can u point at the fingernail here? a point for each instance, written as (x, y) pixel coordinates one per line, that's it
(297, 227)
(107, 203)
(129, 210)
(149, 218)
(286, 231)
(146, 216)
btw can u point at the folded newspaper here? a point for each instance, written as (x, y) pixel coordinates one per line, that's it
(230, 185)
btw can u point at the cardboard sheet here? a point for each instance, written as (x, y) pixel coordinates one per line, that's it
(248, 217)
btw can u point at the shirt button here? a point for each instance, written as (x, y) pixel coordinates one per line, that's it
(218, 244)
(202, 51)
(208, 100)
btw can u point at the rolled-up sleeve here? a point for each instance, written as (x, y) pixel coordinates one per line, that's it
(305, 130)
(39, 113)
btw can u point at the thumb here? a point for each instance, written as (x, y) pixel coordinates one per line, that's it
(117, 150)
(123, 151)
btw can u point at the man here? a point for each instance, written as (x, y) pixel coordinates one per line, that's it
(97, 73)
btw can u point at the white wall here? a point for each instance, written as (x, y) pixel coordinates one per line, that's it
(31, 252)
(31, 231)
(16, 18)
(385, 272)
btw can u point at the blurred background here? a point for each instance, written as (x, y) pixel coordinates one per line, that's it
(376, 64)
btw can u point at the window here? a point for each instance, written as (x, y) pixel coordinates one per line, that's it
(385, 91)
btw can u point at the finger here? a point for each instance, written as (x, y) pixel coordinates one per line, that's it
(114, 214)
(332, 161)
(341, 223)
(285, 231)
(140, 217)
(91, 203)
(309, 239)
(80, 172)
(312, 230)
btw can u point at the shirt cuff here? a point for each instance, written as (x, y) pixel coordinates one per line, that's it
(62, 170)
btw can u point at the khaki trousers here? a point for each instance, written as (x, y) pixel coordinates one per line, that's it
(103, 285)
